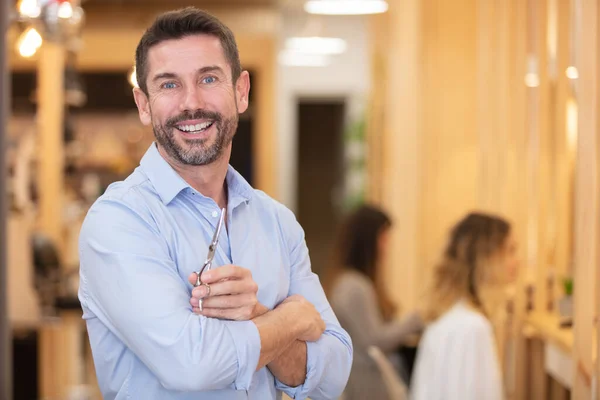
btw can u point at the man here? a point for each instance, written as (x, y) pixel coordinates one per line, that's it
(265, 325)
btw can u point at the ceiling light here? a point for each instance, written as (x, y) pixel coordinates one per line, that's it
(532, 80)
(29, 42)
(65, 10)
(316, 45)
(345, 7)
(297, 59)
(29, 8)
(572, 72)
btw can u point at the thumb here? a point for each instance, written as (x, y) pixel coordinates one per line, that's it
(192, 278)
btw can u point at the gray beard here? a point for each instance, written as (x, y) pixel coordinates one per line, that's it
(197, 152)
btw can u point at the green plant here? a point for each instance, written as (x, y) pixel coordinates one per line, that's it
(354, 163)
(568, 286)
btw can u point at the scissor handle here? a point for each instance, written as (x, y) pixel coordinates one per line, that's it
(205, 267)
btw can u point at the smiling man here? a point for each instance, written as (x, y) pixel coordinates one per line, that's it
(265, 325)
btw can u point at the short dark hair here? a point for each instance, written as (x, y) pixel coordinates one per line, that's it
(181, 23)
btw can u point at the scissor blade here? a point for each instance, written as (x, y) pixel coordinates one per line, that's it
(212, 247)
(215, 239)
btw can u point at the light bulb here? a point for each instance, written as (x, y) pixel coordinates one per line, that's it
(65, 10)
(316, 45)
(345, 7)
(29, 42)
(296, 59)
(30, 8)
(572, 72)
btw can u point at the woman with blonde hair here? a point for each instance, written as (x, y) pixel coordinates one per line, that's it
(359, 299)
(457, 356)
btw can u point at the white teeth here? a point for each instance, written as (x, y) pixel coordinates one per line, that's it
(195, 128)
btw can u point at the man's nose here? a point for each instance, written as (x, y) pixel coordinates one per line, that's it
(193, 99)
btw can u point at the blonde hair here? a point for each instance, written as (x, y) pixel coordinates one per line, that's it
(466, 262)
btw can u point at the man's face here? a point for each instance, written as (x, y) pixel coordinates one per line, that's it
(192, 103)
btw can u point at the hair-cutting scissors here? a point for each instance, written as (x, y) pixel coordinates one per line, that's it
(212, 248)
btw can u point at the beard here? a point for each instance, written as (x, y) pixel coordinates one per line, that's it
(197, 151)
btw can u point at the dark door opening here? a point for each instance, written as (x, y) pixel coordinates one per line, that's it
(320, 135)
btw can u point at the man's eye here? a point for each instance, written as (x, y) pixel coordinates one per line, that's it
(209, 79)
(169, 85)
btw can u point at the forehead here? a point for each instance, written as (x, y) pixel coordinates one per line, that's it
(510, 241)
(185, 55)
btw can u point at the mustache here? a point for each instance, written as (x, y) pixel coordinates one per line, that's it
(198, 114)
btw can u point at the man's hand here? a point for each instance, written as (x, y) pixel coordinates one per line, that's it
(307, 325)
(311, 325)
(232, 294)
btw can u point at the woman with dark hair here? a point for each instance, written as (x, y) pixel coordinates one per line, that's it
(356, 292)
(457, 357)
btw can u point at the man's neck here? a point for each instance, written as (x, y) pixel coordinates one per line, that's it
(209, 179)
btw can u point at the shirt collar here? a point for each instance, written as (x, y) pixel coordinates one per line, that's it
(168, 183)
(239, 190)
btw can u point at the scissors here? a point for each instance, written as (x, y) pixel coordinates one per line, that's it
(212, 248)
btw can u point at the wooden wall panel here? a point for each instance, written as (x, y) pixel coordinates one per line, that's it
(586, 204)
(479, 137)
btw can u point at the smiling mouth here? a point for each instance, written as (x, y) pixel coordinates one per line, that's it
(197, 128)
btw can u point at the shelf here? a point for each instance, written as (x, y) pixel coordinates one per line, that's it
(547, 326)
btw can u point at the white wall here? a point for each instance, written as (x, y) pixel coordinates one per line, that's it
(347, 76)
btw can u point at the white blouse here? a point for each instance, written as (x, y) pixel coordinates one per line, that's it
(457, 359)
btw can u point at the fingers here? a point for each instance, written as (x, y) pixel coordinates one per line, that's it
(237, 314)
(201, 292)
(227, 292)
(294, 297)
(233, 301)
(225, 288)
(225, 272)
(194, 303)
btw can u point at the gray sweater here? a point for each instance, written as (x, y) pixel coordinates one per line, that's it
(354, 302)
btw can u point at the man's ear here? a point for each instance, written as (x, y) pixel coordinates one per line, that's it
(143, 106)
(242, 89)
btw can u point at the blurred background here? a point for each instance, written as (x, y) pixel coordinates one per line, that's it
(426, 108)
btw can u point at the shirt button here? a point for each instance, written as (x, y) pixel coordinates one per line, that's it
(215, 214)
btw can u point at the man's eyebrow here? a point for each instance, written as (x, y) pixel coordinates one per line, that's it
(210, 68)
(164, 75)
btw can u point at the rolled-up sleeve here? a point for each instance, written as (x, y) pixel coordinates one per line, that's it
(329, 359)
(130, 283)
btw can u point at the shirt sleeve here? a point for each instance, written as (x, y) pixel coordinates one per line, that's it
(329, 359)
(130, 283)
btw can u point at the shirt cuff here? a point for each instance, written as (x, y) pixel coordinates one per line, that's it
(247, 345)
(314, 371)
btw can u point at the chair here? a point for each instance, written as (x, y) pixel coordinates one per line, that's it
(53, 282)
(395, 387)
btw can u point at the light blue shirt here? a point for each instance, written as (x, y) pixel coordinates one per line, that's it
(139, 243)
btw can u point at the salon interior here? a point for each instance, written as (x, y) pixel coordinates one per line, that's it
(426, 108)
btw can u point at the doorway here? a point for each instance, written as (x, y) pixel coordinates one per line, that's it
(320, 144)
